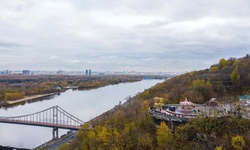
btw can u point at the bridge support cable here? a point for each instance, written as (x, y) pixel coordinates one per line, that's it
(54, 117)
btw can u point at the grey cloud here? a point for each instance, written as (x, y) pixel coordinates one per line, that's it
(7, 44)
(153, 35)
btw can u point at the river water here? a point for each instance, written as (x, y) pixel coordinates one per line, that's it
(84, 105)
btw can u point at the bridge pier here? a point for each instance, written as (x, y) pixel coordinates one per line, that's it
(55, 133)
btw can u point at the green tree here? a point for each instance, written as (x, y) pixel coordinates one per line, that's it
(164, 136)
(238, 143)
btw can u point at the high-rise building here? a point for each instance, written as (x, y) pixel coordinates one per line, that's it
(87, 72)
(26, 72)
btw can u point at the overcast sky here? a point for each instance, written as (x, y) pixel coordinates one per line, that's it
(122, 35)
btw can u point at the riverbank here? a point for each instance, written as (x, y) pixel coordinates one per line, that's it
(84, 105)
(28, 98)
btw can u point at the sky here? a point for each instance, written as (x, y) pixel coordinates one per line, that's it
(122, 35)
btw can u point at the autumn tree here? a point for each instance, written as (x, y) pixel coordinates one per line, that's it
(64, 147)
(235, 77)
(103, 136)
(164, 136)
(222, 63)
(238, 143)
(203, 87)
(214, 68)
(219, 148)
(87, 139)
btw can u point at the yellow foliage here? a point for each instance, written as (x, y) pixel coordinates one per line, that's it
(164, 136)
(64, 147)
(235, 77)
(158, 101)
(13, 96)
(223, 62)
(218, 148)
(238, 143)
(214, 68)
(145, 106)
(129, 127)
(198, 82)
(103, 135)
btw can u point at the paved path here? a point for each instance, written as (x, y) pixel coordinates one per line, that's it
(28, 98)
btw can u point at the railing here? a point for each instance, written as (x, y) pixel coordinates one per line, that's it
(51, 117)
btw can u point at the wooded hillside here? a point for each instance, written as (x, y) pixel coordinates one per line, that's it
(129, 126)
(223, 81)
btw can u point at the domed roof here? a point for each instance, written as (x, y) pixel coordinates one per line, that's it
(186, 102)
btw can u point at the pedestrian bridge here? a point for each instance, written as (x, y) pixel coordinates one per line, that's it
(54, 117)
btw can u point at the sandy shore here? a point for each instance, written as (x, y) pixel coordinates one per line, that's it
(27, 98)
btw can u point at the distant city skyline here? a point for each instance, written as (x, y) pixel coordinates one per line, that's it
(85, 72)
(148, 36)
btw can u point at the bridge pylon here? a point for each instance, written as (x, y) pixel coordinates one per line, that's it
(55, 133)
(53, 117)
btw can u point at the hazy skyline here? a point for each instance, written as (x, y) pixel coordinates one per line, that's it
(130, 35)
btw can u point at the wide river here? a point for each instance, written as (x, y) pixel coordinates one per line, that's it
(84, 105)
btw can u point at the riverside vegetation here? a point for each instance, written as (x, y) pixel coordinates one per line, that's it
(130, 126)
(13, 87)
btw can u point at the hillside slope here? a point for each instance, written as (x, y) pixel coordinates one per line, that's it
(224, 80)
(130, 127)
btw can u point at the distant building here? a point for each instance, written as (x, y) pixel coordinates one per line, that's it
(6, 72)
(88, 72)
(26, 72)
(60, 72)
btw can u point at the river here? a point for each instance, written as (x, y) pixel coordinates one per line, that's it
(84, 105)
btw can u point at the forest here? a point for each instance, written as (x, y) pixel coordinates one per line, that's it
(130, 127)
(13, 87)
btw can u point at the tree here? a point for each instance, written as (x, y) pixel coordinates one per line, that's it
(198, 82)
(103, 136)
(214, 68)
(204, 88)
(164, 136)
(238, 143)
(145, 106)
(87, 138)
(236, 62)
(223, 62)
(235, 77)
(219, 148)
(64, 147)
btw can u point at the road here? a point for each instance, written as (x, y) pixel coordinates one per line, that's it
(55, 144)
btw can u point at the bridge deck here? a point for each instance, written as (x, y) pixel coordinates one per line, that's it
(43, 124)
(54, 117)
